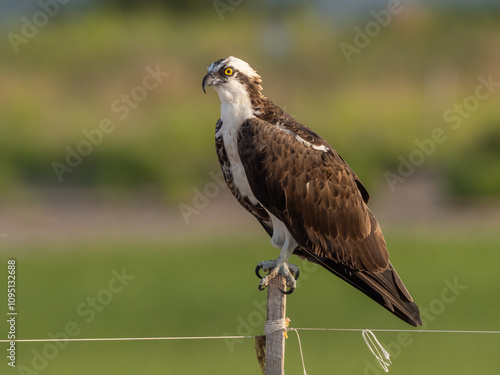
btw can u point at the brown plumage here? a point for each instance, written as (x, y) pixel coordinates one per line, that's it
(296, 176)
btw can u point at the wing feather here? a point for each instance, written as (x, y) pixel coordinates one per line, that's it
(314, 192)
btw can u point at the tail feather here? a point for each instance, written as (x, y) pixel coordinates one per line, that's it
(385, 288)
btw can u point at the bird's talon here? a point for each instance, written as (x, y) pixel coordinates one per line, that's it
(287, 292)
(257, 271)
(263, 283)
(289, 271)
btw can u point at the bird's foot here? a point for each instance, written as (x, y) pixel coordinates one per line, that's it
(278, 267)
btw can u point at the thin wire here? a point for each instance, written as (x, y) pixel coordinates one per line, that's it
(247, 337)
(397, 330)
(134, 338)
(300, 347)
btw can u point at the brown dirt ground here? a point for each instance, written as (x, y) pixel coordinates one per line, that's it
(64, 216)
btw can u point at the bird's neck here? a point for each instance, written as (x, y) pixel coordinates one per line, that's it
(237, 105)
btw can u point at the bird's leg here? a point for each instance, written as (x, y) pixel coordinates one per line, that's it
(280, 266)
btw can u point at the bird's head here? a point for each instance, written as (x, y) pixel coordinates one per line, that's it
(232, 77)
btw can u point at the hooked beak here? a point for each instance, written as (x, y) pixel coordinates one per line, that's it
(208, 80)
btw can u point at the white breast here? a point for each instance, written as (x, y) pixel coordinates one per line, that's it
(235, 109)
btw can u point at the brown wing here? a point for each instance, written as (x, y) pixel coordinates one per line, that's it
(386, 288)
(313, 192)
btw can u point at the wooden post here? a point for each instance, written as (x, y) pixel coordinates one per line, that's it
(275, 342)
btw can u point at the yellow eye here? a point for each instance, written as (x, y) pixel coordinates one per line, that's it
(228, 71)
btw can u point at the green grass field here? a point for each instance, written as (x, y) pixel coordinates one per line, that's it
(207, 287)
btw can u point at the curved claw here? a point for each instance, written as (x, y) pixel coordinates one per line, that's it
(292, 288)
(297, 275)
(257, 272)
(287, 292)
(289, 271)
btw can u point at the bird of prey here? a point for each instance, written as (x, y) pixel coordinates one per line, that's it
(301, 191)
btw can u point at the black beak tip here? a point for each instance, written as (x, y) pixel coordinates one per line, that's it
(208, 80)
(204, 83)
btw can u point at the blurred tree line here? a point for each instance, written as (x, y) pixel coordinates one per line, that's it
(62, 84)
(171, 5)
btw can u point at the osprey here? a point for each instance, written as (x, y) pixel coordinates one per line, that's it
(301, 191)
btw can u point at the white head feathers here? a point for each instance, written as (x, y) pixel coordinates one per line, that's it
(237, 64)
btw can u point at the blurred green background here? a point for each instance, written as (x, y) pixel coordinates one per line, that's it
(104, 169)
